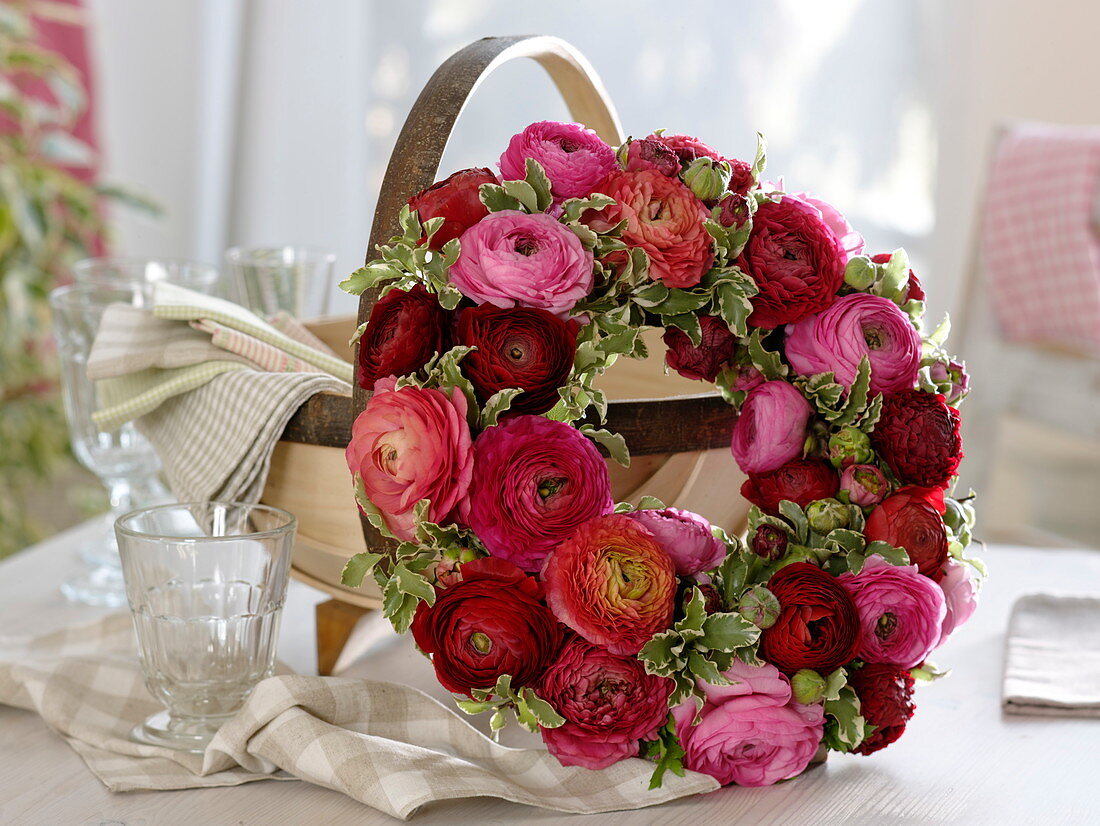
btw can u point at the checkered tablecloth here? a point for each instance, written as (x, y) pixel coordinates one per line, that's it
(1040, 247)
(389, 746)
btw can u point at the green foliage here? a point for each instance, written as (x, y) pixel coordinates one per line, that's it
(529, 710)
(666, 752)
(49, 219)
(842, 406)
(845, 727)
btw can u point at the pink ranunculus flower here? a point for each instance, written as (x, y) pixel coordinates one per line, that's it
(750, 732)
(535, 482)
(575, 158)
(686, 537)
(960, 591)
(771, 429)
(608, 701)
(412, 444)
(901, 612)
(857, 325)
(851, 240)
(866, 485)
(512, 259)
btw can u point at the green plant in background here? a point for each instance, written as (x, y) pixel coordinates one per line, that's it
(49, 218)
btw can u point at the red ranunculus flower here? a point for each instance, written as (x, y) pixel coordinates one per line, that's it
(404, 330)
(493, 622)
(665, 219)
(457, 200)
(686, 147)
(885, 700)
(795, 260)
(741, 181)
(612, 583)
(818, 625)
(801, 481)
(521, 347)
(608, 701)
(916, 291)
(918, 436)
(706, 361)
(912, 518)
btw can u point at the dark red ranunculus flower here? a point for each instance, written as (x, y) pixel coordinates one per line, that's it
(818, 625)
(733, 210)
(493, 622)
(795, 260)
(912, 518)
(608, 701)
(801, 481)
(918, 437)
(916, 291)
(741, 181)
(404, 330)
(706, 361)
(686, 147)
(522, 347)
(769, 542)
(885, 700)
(648, 153)
(457, 200)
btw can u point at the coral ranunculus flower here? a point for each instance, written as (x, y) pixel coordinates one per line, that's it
(608, 701)
(408, 445)
(491, 623)
(912, 519)
(664, 218)
(612, 583)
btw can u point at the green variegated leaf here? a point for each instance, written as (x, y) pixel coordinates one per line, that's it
(727, 632)
(524, 193)
(666, 752)
(662, 654)
(761, 159)
(834, 683)
(733, 303)
(542, 711)
(689, 323)
(373, 514)
(614, 443)
(574, 208)
(357, 568)
(704, 669)
(647, 503)
(768, 362)
(497, 404)
(895, 556)
(496, 199)
(797, 517)
(539, 183)
(845, 729)
(414, 584)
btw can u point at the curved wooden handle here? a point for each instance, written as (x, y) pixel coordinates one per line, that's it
(414, 163)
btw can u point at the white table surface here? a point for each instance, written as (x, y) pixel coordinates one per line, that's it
(960, 761)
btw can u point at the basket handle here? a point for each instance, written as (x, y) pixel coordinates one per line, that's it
(414, 163)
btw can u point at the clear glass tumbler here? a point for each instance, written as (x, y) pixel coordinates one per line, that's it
(112, 271)
(122, 458)
(206, 585)
(266, 280)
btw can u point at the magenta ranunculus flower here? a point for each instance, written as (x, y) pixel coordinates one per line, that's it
(866, 485)
(575, 158)
(408, 445)
(535, 482)
(857, 325)
(750, 732)
(686, 537)
(612, 583)
(834, 219)
(608, 701)
(960, 592)
(901, 612)
(512, 259)
(771, 429)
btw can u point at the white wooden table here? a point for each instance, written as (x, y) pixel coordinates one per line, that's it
(960, 761)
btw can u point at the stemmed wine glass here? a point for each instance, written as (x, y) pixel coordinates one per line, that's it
(123, 459)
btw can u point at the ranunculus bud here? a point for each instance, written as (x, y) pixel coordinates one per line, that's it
(866, 485)
(827, 515)
(952, 380)
(733, 210)
(759, 606)
(807, 686)
(647, 153)
(707, 179)
(860, 273)
(457, 200)
(850, 446)
(769, 542)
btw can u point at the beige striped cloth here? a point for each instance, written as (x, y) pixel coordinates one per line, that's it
(210, 384)
(389, 746)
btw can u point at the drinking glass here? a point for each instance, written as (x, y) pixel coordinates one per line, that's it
(145, 272)
(123, 459)
(269, 279)
(206, 585)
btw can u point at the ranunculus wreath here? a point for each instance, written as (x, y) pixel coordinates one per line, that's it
(636, 630)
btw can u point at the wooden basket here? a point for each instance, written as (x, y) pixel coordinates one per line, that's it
(678, 438)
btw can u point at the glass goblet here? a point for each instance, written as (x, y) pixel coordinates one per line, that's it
(296, 280)
(206, 585)
(123, 459)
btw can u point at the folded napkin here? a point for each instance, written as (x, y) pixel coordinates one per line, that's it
(389, 746)
(1052, 662)
(210, 384)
